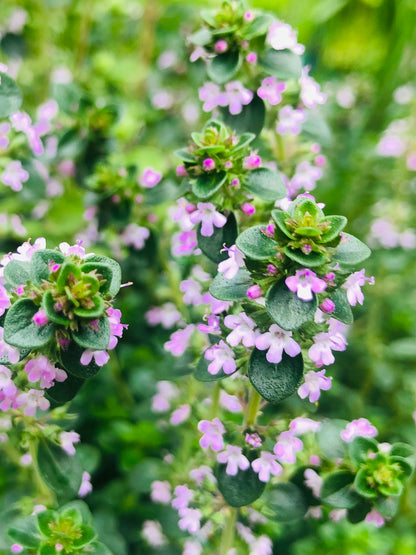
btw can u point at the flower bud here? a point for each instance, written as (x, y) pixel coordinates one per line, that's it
(181, 171)
(40, 318)
(327, 306)
(254, 292)
(221, 46)
(248, 209)
(208, 165)
(251, 58)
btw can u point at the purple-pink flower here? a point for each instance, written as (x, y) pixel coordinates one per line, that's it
(237, 96)
(360, 427)
(353, 285)
(271, 89)
(221, 357)
(100, 357)
(14, 175)
(290, 121)
(32, 400)
(179, 415)
(286, 447)
(207, 215)
(277, 340)
(310, 92)
(180, 340)
(67, 440)
(281, 36)
(243, 330)
(182, 497)
(313, 384)
(212, 430)
(304, 283)
(230, 266)
(190, 520)
(313, 481)
(41, 369)
(160, 492)
(86, 486)
(234, 459)
(150, 178)
(323, 345)
(4, 300)
(266, 465)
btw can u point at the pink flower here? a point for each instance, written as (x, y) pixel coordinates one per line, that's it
(166, 391)
(12, 353)
(179, 415)
(324, 344)
(75, 250)
(135, 236)
(237, 96)
(86, 486)
(4, 130)
(252, 162)
(254, 292)
(353, 285)
(14, 175)
(271, 90)
(100, 357)
(212, 96)
(183, 244)
(243, 330)
(152, 533)
(201, 473)
(306, 176)
(116, 327)
(40, 368)
(304, 282)
(374, 517)
(286, 447)
(167, 315)
(313, 481)
(302, 425)
(190, 520)
(40, 318)
(212, 434)
(8, 388)
(32, 400)
(290, 121)
(212, 325)
(277, 340)
(160, 492)
(314, 383)
(310, 92)
(253, 439)
(67, 440)
(230, 402)
(192, 292)
(361, 427)
(4, 300)
(207, 215)
(265, 465)
(221, 46)
(234, 459)
(182, 497)
(180, 340)
(281, 36)
(222, 357)
(150, 178)
(208, 165)
(230, 266)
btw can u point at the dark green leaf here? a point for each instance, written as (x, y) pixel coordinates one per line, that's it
(44, 518)
(115, 267)
(88, 534)
(184, 155)
(330, 440)
(39, 265)
(62, 392)
(311, 260)
(231, 289)
(280, 218)
(402, 450)
(222, 236)
(360, 449)
(337, 225)
(285, 502)
(243, 142)
(207, 184)
(201, 37)
(96, 338)
(361, 485)
(387, 506)
(283, 64)
(351, 251)
(266, 184)
(10, 96)
(286, 309)
(255, 244)
(80, 506)
(48, 304)
(25, 532)
(71, 361)
(20, 331)
(95, 312)
(61, 472)
(102, 269)
(17, 273)
(250, 119)
(98, 548)
(359, 512)
(224, 66)
(337, 490)
(342, 311)
(67, 269)
(275, 382)
(315, 128)
(241, 489)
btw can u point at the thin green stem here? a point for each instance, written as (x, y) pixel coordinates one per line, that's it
(215, 399)
(252, 408)
(45, 493)
(227, 538)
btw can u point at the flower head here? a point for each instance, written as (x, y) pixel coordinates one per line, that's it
(313, 384)
(304, 283)
(234, 459)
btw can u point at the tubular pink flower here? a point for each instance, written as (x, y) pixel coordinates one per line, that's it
(286, 447)
(222, 357)
(304, 283)
(207, 215)
(234, 459)
(277, 340)
(212, 434)
(360, 427)
(314, 383)
(243, 330)
(266, 465)
(230, 266)
(353, 285)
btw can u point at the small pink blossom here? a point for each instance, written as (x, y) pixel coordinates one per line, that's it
(150, 178)
(135, 236)
(116, 327)
(182, 497)
(374, 517)
(230, 402)
(254, 292)
(221, 46)
(166, 391)
(181, 414)
(201, 473)
(360, 427)
(313, 481)
(230, 266)
(212, 96)
(152, 533)
(4, 130)
(86, 486)
(180, 340)
(167, 315)
(192, 291)
(251, 58)
(234, 459)
(305, 177)
(310, 92)
(212, 434)
(286, 447)
(222, 357)
(190, 520)
(100, 357)
(271, 90)
(67, 440)
(314, 383)
(32, 400)
(40, 318)
(281, 36)
(16, 547)
(4, 300)
(208, 165)
(237, 96)
(207, 215)
(14, 175)
(266, 465)
(12, 353)
(277, 340)
(160, 492)
(75, 250)
(243, 330)
(353, 285)
(253, 439)
(304, 283)
(252, 161)
(40, 368)
(337, 514)
(290, 121)
(323, 345)
(302, 425)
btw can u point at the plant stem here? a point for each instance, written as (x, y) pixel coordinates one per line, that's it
(252, 408)
(215, 399)
(227, 538)
(45, 493)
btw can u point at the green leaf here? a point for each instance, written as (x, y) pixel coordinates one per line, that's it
(71, 361)
(88, 534)
(239, 490)
(360, 448)
(224, 66)
(65, 391)
(405, 465)
(283, 64)
(226, 235)
(337, 490)
(80, 506)
(330, 440)
(17, 273)
(25, 532)
(250, 119)
(359, 512)
(342, 311)
(387, 506)
(66, 270)
(39, 264)
(207, 184)
(266, 184)
(280, 217)
(96, 338)
(243, 142)
(115, 267)
(10, 96)
(351, 251)
(337, 225)
(303, 205)
(285, 502)
(254, 244)
(98, 548)
(275, 382)
(316, 128)
(259, 26)
(102, 269)
(184, 155)
(61, 472)
(20, 331)
(286, 309)
(95, 312)
(361, 485)
(48, 303)
(401, 349)
(231, 289)
(201, 37)
(44, 518)
(402, 450)
(312, 260)
(202, 375)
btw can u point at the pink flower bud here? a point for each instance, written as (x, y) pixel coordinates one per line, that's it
(270, 229)
(16, 548)
(254, 292)
(190, 208)
(330, 276)
(152, 218)
(249, 16)
(115, 199)
(320, 160)
(55, 267)
(221, 46)
(20, 290)
(316, 148)
(181, 171)
(306, 249)
(272, 269)
(327, 306)
(40, 318)
(235, 182)
(251, 58)
(228, 165)
(315, 460)
(248, 209)
(208, 165)
(63, 342)
(251, 162)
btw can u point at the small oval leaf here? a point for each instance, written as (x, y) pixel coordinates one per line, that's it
(286, 309)
(266, 184)
(231, 289)
(255, 244)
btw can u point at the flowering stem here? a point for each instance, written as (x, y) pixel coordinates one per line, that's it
(252, 408)
(215, 399)
(227, 538)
